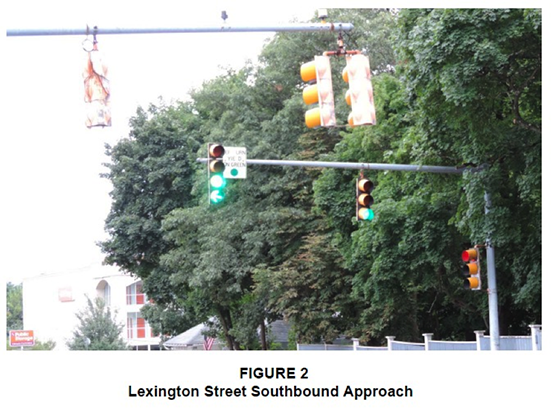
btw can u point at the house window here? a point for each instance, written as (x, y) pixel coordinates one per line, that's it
(103, 291)
(136, 326)
(134, 294)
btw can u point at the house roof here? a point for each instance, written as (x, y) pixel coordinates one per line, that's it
(190, 337)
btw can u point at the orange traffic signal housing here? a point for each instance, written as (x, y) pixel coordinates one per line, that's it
(215, 169)
(318, 72)
(364, 200)
(471, 269)
(359, 96)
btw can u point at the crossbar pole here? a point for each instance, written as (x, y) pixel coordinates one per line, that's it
(355, 165)
(86, 30)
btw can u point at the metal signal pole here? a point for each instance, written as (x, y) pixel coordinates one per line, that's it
(355, 165)
(494, 338)
(490, 252)
(158, 30)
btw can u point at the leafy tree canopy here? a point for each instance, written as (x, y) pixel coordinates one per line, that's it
(458, 87)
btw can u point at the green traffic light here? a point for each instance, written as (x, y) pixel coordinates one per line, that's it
(217, 181)
(367, 214)
(216, 196)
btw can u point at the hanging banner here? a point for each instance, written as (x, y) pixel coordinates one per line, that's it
(97, 90)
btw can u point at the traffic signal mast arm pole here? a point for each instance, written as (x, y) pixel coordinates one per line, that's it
(490, 253)
(355, 165)
(159, 30)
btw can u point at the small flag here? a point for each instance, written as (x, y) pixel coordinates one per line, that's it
(208, 343)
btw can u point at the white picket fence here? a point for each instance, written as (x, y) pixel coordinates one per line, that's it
(531, 342)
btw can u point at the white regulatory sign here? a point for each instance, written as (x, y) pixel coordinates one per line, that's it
(235, 164)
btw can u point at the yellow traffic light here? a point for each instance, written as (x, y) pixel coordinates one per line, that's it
(359, 96)
(471, 269)
(320, 92)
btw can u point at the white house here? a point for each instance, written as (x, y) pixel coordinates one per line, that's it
(51, 301)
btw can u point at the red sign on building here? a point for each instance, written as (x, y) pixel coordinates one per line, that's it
(19, 338)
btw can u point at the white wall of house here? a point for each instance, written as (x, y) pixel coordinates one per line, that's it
(51, 301)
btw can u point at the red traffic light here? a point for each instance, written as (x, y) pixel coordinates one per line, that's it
(471, 269)
(216, 151)
(470, 254)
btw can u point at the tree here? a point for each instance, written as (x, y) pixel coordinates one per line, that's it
(202, 261)
(97, 329)
(152, 172)
(310, 285)
(474, 77)
(14, 307)
(466, 91)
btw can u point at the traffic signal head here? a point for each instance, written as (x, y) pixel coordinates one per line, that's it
(364, 200)
(320, 92)
(360, 93)
(471, 269)
(215, 169)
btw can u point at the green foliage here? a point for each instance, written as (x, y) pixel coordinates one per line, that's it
(14, 307)
(151, 176)
(475, 81)
(39, 345)
(97, 329)
(466, 91)
(309, 290)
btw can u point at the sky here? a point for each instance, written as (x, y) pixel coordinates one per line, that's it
(55, 202)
